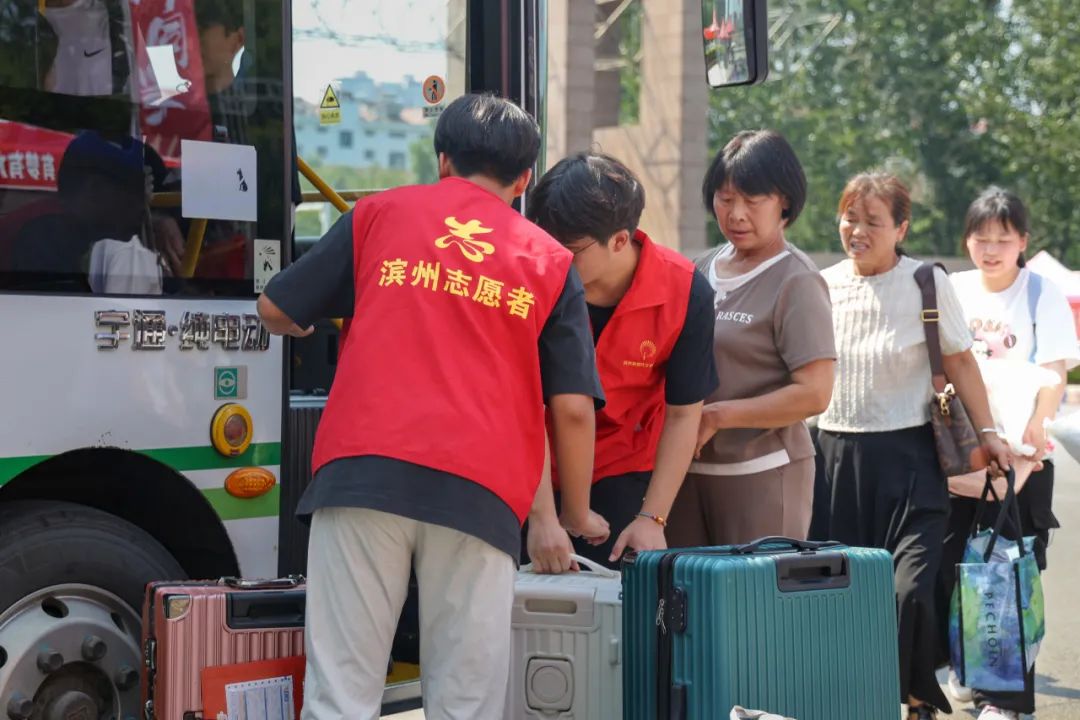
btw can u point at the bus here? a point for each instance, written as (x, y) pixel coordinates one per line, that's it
(149, 187)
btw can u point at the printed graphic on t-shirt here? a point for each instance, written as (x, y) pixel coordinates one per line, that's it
(741, 318)
(993, 338)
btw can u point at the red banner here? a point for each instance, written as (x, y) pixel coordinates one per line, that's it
(30, 156)
(173, 98)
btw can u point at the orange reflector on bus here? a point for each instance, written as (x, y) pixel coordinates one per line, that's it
(231, 430)
(249, 482)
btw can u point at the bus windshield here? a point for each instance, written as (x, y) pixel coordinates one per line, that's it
(142, 146)
(367, 95)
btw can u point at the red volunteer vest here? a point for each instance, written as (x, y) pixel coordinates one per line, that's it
(632, 359)
(440, 365)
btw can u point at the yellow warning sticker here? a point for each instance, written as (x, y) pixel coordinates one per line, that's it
(330, 107)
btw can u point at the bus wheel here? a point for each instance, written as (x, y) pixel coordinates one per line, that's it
(71, 584)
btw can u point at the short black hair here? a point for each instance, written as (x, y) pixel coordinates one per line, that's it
(587, 195)
(758, 162)
(229, 13)
(488, 135)
(997, 204)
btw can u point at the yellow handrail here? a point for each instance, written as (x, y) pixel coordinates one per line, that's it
(193, 247)
(347, 195)
(167, 200)
(325, 190)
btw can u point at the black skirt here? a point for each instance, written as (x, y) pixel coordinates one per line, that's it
(886, 490)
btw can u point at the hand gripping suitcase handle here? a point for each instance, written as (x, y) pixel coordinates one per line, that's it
(792, 543)
(591, 565)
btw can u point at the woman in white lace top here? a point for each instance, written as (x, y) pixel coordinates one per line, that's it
(884, 482)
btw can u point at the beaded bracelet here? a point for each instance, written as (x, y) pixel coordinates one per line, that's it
(661, 521)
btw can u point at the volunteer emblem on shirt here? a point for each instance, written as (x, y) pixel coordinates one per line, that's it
(647, 349)
(461, 235)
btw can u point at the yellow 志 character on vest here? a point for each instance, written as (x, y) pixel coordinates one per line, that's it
(461, 234)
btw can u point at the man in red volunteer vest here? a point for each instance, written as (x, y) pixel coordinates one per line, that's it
(467, 320)
(652, 321)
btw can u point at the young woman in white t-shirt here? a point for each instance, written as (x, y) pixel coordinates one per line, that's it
(1015, 314)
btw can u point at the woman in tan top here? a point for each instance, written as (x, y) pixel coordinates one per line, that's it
(754, 473)
(884, 483)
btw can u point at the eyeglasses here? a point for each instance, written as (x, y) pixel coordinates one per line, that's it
(583, 248)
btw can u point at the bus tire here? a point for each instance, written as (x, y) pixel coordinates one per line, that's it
(72, 580)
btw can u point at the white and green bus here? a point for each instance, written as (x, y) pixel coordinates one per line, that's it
(150, 428)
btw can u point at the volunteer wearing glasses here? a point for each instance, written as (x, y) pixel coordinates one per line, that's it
(652, 322)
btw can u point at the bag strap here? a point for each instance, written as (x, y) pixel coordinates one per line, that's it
(1034, 291)
(1010, 508)
(980, 508)
(931, 317)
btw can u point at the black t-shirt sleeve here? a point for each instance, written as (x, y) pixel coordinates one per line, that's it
(567, 355)
(691, 369)
(320, 283)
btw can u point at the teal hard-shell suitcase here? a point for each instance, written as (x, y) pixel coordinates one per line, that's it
(805, 630)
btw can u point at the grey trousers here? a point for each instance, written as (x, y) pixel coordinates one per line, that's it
(733, 509)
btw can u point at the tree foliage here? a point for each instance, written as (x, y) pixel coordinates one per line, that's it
(952, 95)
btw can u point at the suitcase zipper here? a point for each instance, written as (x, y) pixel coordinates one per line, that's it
(671, 614)
(670, 699)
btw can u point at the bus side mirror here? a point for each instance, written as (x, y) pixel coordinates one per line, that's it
(736, 41)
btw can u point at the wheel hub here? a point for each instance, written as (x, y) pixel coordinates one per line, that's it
(71, 705)
(69, 652)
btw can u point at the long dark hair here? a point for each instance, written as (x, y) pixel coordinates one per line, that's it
(997, 204)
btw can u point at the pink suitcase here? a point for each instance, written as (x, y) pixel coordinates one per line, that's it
(188, 626)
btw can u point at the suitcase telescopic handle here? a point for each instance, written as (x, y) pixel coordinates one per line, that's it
(285, 583)
(591, 565)
(800, 545)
